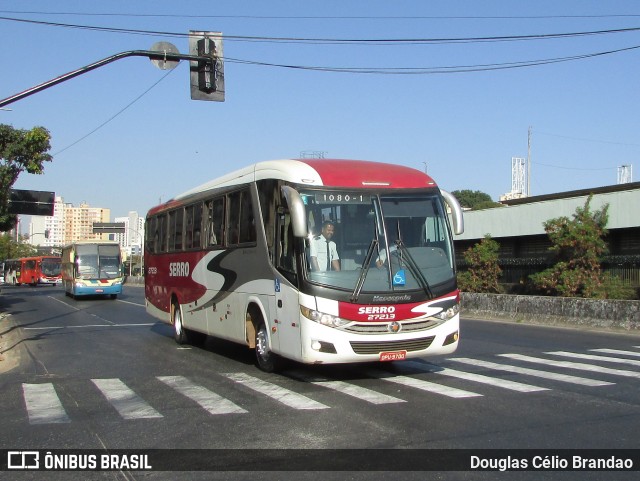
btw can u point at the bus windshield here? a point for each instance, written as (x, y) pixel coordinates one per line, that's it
(378, 243)
(50, 267)
(98, 261)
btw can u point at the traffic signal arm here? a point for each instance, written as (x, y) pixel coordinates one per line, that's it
(206, 60)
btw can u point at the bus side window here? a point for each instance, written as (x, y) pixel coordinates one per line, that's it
(188, 220)
(162, 233)
(178, 230)
(214, 222)
(286, 258)
(233, 233)
(151, 234)
(197, 225)
(247, 220)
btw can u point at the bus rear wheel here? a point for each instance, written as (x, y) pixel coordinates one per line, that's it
(267, 360)
(180, 334)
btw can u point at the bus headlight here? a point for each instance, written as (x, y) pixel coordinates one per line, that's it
(322, 318)
(447, 314)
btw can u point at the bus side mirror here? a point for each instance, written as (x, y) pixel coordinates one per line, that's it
(297, 210)
(456, 212)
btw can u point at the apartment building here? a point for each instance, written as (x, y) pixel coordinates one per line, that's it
(68, 224)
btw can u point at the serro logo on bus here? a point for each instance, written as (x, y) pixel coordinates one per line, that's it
(178, 269)
(377, 313)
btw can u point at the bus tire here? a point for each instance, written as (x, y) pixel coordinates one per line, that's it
(266, 360)
(180, 334)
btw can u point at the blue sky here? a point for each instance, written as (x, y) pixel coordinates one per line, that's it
(153, 142)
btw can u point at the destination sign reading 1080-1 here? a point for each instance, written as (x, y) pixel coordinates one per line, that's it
(340, 198)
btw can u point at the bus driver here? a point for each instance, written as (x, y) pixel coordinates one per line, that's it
(324, 255)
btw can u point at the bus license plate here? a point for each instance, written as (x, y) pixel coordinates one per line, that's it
(393, 356)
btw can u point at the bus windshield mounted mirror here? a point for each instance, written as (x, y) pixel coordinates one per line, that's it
(456, 212)
(297, 210)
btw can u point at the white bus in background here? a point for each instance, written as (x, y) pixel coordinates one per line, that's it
(92, 268)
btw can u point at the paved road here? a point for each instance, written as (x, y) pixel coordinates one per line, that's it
(101, 373)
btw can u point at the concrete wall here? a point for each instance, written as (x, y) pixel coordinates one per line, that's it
(556, 311)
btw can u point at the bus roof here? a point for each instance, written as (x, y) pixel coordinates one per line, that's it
(320, 172)
(89, 241)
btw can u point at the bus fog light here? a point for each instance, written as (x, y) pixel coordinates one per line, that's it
(322, 346)
(451, 338)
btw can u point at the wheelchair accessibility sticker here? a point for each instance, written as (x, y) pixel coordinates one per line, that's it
(399, 279)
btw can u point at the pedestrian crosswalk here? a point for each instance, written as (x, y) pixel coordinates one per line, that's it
(124, 400)
(525, 374)
(43, 404)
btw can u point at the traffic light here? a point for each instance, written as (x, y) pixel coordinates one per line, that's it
(207, 76)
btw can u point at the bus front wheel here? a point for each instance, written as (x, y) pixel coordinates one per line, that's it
(267, 361)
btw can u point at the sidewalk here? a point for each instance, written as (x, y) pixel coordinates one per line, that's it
(8, 344)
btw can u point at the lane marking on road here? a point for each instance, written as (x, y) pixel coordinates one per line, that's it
(124, 400)
(468, 376)
(285, 396)
(62, 302)
(129, 302)
(573, 365)
(210, 401)
(532, 372)
(431, 387)
(591, 357)
(349, 389)
(142, 324)
(43, 404)
(617, 351)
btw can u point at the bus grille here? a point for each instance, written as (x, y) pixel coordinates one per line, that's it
(372, 347)
(382, 328)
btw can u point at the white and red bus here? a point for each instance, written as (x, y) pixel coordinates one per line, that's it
(232, 259)
(33, 270)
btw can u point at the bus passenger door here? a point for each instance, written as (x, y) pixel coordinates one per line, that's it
(287, 308)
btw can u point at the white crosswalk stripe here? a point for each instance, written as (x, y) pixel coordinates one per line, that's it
(431, 387)
(124, 400)
(349, 389)
(503, 383)
(532, 372)
(573, 365)
(285, 396)
(43, 404)
(591, 357)
(208, 400)
(617, 351)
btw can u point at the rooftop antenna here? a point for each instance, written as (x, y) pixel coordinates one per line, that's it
(625, 174)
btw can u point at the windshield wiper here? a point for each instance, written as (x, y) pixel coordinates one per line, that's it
(364, 269)
(413, 267)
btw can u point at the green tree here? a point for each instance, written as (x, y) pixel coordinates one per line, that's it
(474, 199)
(20, 150)
(484, 271)
(579, 246)
(10, 249)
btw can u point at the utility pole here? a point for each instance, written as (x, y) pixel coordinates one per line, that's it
(529, 163)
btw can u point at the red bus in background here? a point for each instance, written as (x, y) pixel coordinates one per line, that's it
(33, 270)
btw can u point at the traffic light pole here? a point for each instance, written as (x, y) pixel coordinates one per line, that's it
(152, 55)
